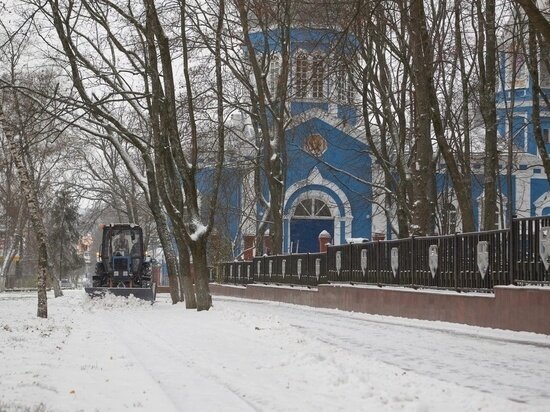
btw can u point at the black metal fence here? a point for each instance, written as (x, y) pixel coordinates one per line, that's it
(306, 269)
(467, 261)
(530, 237)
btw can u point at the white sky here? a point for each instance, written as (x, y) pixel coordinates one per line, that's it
(115, 355)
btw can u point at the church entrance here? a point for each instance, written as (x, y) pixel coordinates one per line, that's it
(311, 217)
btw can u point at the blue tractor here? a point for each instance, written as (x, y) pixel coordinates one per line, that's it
(123, 269)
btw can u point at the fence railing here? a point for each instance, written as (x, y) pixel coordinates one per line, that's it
(530, 238)
(466, 261)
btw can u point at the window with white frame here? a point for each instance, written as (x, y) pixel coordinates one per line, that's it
(309, 77)
(301, 76)
(317, 77)
(274, 73)
(312, 208)
(343, 89)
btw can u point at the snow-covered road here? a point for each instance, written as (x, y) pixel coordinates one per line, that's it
(250, 355)
(473, 359)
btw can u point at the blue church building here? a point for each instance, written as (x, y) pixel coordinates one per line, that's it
(328, 165)
(329, 168)
(531, 190)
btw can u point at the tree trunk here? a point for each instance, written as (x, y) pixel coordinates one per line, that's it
(12, 246)
(163, 232)
(169, 257)
(9, 254)
(35, 216)
(277, 201)
(389, 141)
(536, 18)
(487, 61)
(185, 275)
(462, 176)
(423, 203)
(54, 279)
(270, 112)
(200, 266)
(403, 217)
(533, 64)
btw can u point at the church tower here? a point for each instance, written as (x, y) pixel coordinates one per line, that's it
(327, 162)
(531, 191)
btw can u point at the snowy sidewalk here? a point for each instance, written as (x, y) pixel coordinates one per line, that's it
(117, 355)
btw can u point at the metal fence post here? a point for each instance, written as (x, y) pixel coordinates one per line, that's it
(350, 264)
(455, 260)
(511, 250)
(411, 256)
(377, 254)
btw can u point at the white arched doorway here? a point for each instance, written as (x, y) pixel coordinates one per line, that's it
(313, 205)
(311, 216)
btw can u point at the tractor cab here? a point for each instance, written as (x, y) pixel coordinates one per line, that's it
(122, 253)
(122, 266)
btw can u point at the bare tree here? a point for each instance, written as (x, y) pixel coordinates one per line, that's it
(423, 170)
(35, 214)
(533, 61)
(145, 56)
(536, 17)
(487, 66)
(14, 215)
(33, 137)
(380, 75)
(263, 69)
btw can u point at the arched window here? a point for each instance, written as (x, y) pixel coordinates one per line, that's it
(309, 78)
(302, 68)
(343, 86)
(274, 73)
(312, 208)
(317, 77)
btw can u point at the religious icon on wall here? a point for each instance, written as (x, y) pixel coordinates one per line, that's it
(315, 144)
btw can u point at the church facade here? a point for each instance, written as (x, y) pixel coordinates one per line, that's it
(328, 164)
(531, 194)
(330, 170)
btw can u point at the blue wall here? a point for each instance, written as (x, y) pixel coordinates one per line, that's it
(346, 163)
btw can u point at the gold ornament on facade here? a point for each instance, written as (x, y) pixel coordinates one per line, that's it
(315, 144)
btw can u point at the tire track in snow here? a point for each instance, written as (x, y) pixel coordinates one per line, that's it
(126, 347)
(516, 369)
(167, 354)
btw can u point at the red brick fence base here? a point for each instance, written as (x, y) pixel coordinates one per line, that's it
(514, 308)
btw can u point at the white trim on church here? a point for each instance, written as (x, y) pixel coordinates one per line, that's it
(342, 223)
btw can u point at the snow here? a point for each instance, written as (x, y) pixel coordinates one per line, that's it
(200, 230)
(356, 239)
(125, 354)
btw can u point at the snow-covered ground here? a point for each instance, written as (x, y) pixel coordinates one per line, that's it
(118, 354)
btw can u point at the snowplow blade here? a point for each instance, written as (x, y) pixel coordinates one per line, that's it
(148, 294)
